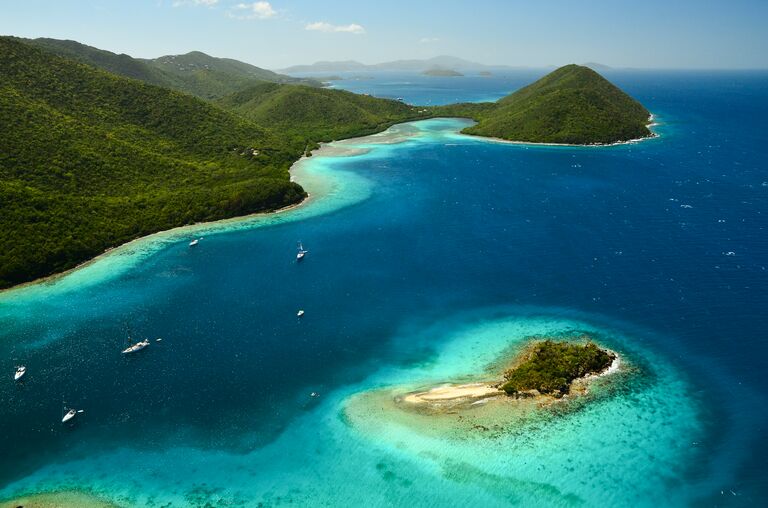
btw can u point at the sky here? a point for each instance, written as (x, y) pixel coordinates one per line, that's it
(274, 34)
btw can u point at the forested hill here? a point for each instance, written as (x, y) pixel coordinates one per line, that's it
(308, 115)
(195, 73)
(572, 104)
(89, 160)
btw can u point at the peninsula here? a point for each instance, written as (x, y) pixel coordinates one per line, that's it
(571, 105)
(99, 148)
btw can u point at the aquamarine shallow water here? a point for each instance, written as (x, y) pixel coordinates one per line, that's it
(427, 258)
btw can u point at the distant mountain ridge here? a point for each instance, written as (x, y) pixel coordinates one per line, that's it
(415, 65)
(195, 73)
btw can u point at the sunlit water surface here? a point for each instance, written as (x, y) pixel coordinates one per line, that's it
(430, 253)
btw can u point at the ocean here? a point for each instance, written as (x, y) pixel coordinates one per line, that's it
(430, 254)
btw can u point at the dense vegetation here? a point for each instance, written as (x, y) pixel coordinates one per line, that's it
(89, 160)
(93, 153)
(194, 73)
(551, 367)
(572, 104)
(308, 115)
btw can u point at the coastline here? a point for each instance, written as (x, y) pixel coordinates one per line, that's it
(393, 134)
(347, 147)
(58, 499)
(651, 123)
(187, 228)
(470, 394)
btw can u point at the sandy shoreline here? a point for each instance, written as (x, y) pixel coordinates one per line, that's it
(477, 391)
(452, 392)
(61, 499)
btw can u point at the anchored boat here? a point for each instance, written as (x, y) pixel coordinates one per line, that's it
(300, 255)
(136, 347)
(20, 371)
(70, 414)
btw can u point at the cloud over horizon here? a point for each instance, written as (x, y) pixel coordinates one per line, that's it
(322, 26)
(209, 3)
(255, 10)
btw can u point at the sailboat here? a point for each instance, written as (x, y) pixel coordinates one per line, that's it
(70, 414)
(136, 347)
(300, 255)
(20, 371)
(195, 241)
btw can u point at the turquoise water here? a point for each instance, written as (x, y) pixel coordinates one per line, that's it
(430, 254)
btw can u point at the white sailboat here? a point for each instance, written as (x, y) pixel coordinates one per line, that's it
(136, 347)
(70, 414)
(300, 255)
(20, 371)
(300, 313)
(195, 241)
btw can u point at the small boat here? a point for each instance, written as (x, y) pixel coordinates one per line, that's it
(314, 395)
(70, 414)
(300, 313)
(300, 255)
(136, 347)
(20, 371)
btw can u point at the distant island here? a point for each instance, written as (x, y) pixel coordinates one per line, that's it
(485, 73)
(440, 62)
(99, 148)
(441, 73)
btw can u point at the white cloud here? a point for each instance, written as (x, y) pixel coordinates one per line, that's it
(255, 10)
(209, 3)
(428, 40)
(322, 26)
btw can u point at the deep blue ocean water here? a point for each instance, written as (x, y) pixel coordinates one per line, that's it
(663, 241)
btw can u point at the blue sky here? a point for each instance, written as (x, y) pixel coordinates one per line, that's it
(278, 33)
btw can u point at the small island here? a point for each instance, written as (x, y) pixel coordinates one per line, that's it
(485, 73)
(446, 73)
(546, 370)
(541, 376)
(551, 367)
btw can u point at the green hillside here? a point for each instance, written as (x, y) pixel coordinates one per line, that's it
(195, 73)
(573, 104)
(89, 160)
(210, 77)
(318, 114)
